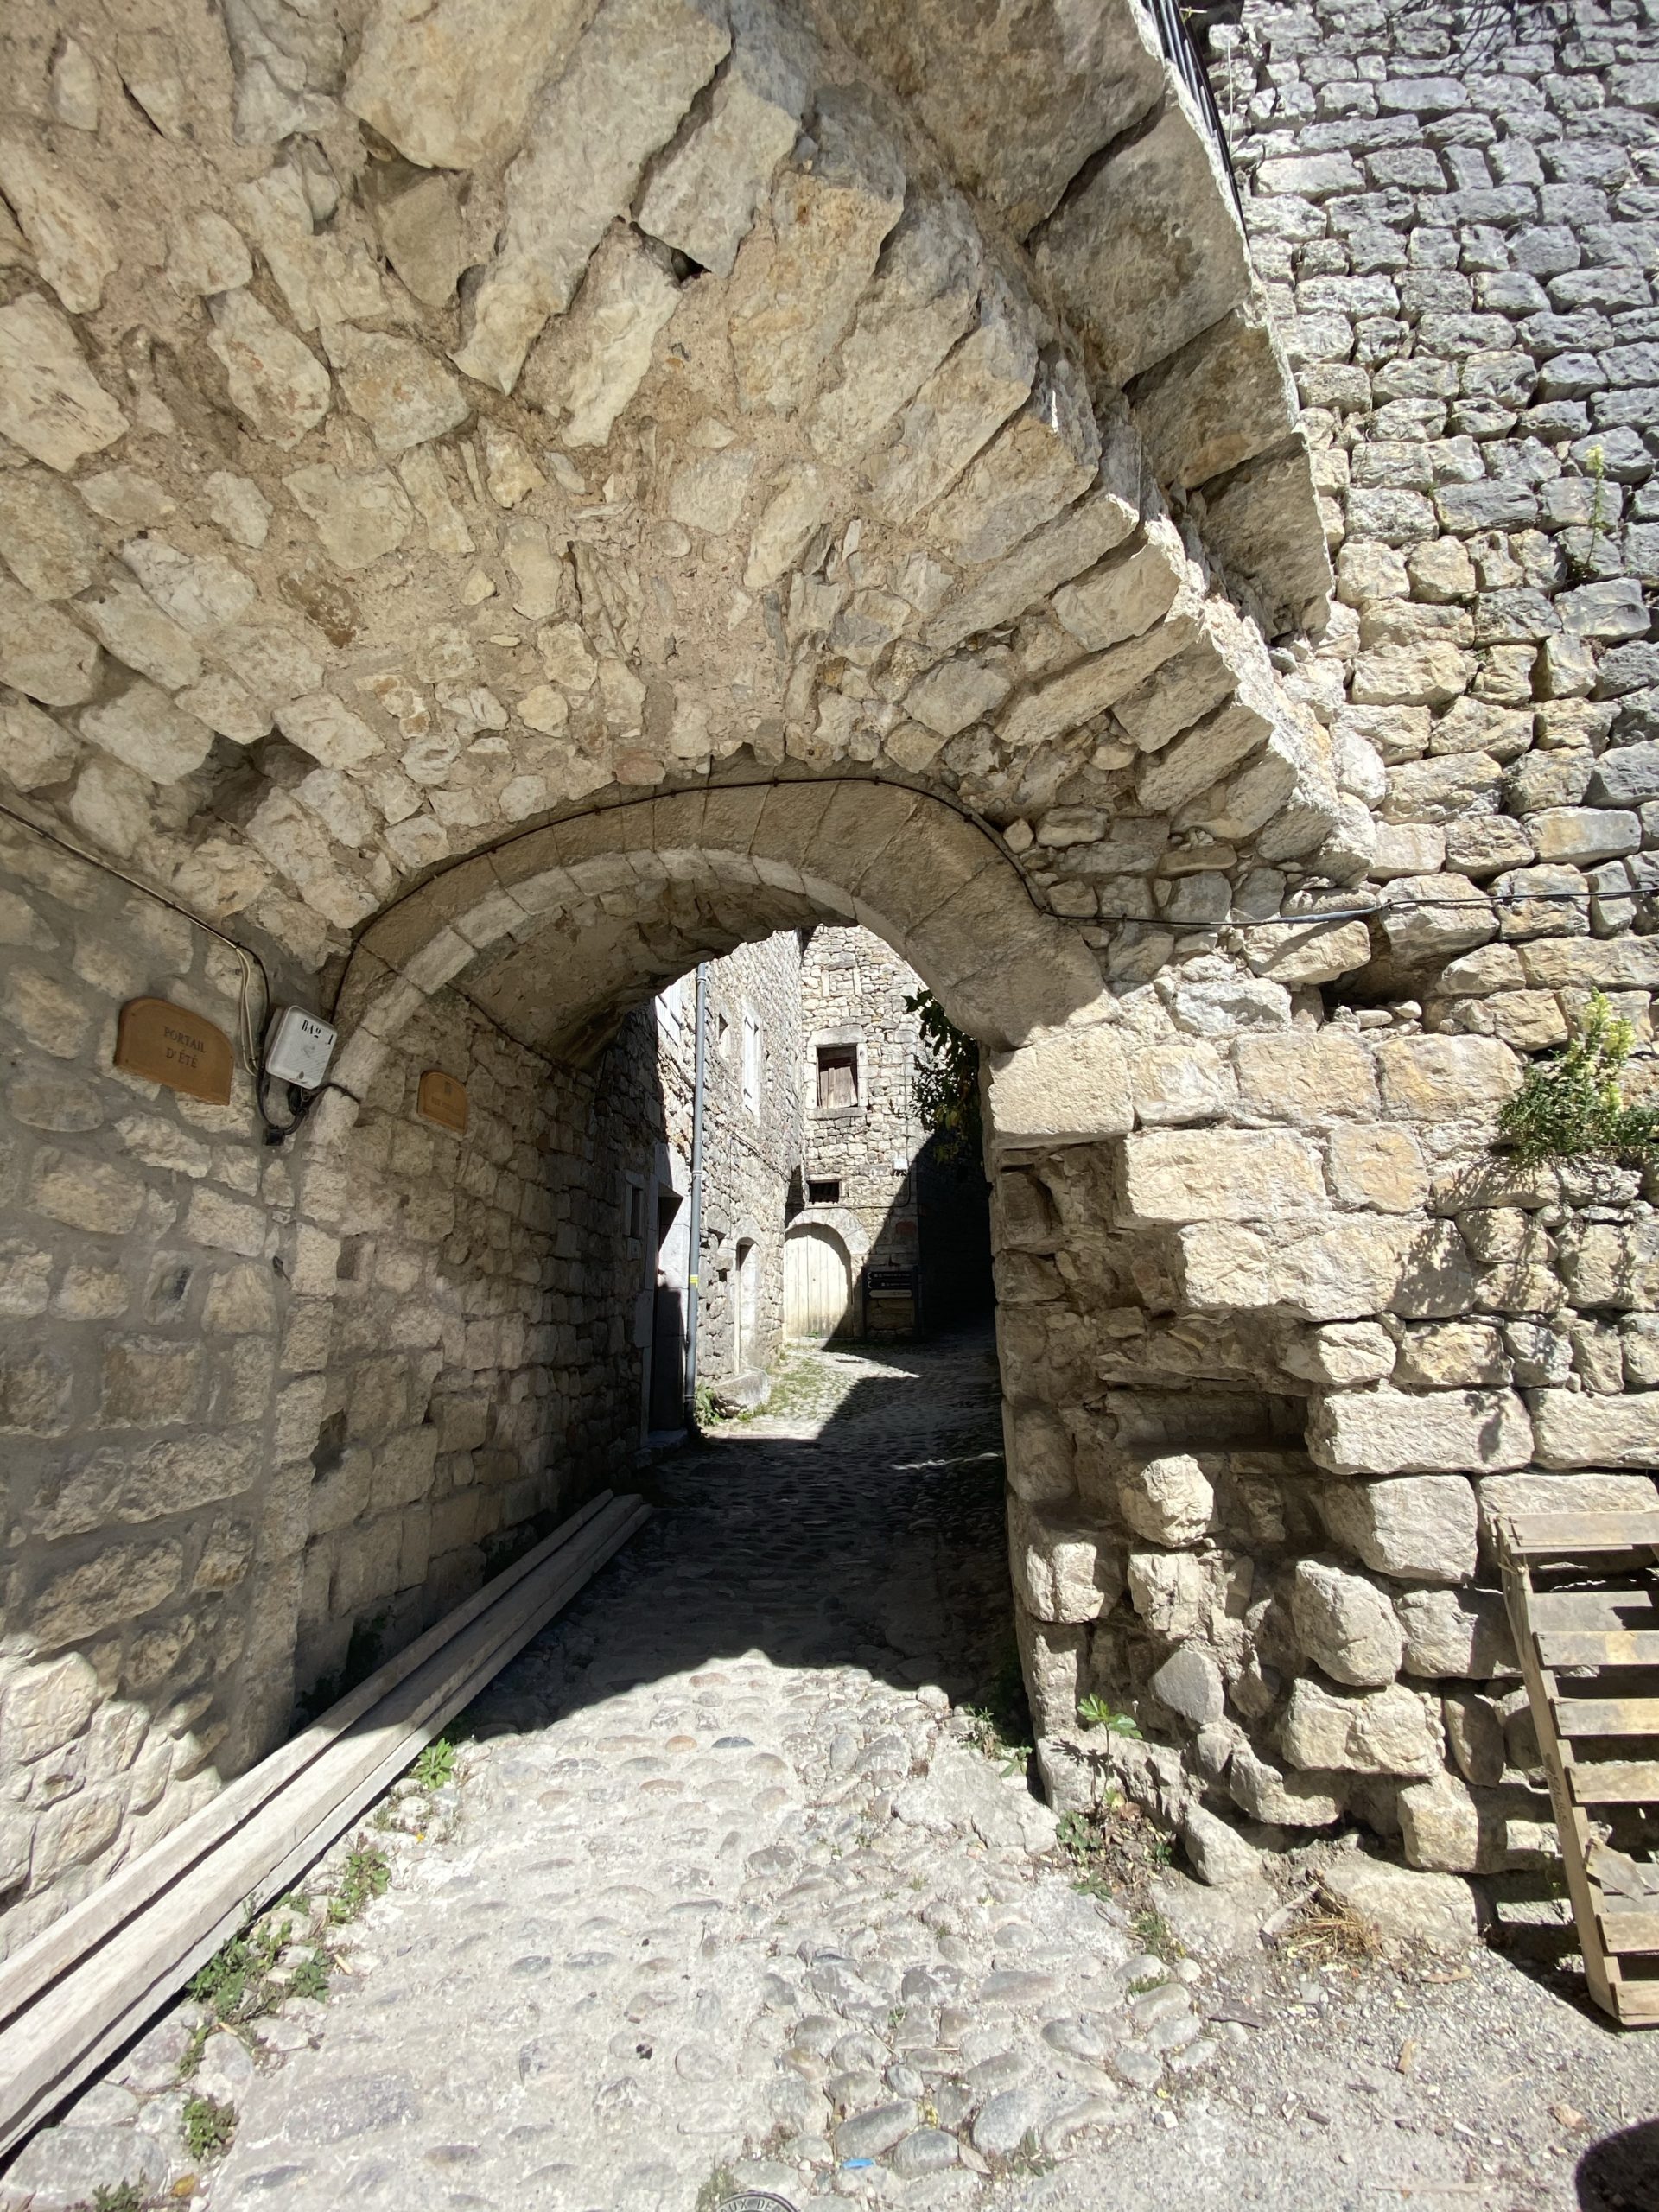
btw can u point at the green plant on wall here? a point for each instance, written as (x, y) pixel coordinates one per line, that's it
(1572, 1107)
(947, 1082)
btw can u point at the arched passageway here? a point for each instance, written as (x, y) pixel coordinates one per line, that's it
(478, 554)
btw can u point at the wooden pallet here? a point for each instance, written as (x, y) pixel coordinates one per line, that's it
(1582, 1590)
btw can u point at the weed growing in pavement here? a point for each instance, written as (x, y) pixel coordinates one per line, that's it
(366, 1878)
(999, 1720)
(209, 2128)
(1143, 1982)
(121, 2197)
(435, 1766)
(1153, 1934)
(720, 2184)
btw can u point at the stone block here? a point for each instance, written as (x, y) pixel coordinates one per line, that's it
(580, 164)
(1340, 1272)
(701, 195)
(1345, 1625)
(1191, 1175)
(1440, 1828)
(1040, 1455)
(1168, 1500)
(1410, 1911)
(451, 86)
(1379, 1168)
(1189, 1684)
(1343, 1355)
(1062, 1572)
(1284, 1798)
(122, 1583)
(1148, 251)
(1175, 1084)
(1024, 99)
(1422, 1528)
(50, 403)
(1393, 1730)
(1579, 1429)
(1167, 1590)
(45, 1708)
(1067, 1086)
(1442, 1078)
(1456, 1631)
(828, 222)
(1223, 398)
(1387, 1431)
(1311, 1077)
(969, 396)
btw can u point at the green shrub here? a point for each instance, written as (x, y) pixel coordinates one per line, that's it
(1572, 1106)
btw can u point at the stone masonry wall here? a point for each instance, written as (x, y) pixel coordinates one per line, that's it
(144, 1294)
(1458, 221)
(854, 990)
(749, 1154)
(482, 1376)
(434, 456)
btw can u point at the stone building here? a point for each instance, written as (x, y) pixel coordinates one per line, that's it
(860, 479)
(751, 1151)
(861, 1135)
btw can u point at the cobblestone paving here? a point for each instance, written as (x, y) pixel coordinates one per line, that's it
(731, 1900)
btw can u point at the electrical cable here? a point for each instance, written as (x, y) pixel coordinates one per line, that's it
(247, 958)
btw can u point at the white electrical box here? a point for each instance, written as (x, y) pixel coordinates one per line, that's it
(297, 1047)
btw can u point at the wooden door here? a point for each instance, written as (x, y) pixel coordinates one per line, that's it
(817, 1285)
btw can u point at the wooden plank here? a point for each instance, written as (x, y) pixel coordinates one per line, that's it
(51, 2045)
(1614, 1782)
(1629, 1931)
(39, 1961)
(1607, 1716)
(1600, 1973)
(1593, 1609)
(1602, 1647)
(1638, 2004)
(1531, 1534)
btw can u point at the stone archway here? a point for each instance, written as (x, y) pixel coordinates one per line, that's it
(481, 550)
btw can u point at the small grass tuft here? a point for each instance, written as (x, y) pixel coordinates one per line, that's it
(1153, 1934)
(118, 2196)
(720, 2183)
(209, 2128)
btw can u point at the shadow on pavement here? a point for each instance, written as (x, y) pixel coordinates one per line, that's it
(1621, 2172)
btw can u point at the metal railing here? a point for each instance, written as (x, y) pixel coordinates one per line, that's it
(1180, 50)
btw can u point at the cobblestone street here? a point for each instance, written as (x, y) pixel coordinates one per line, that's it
(732, 1900)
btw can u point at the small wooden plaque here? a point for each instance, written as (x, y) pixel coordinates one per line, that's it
(170, 1045)
(442, 1100)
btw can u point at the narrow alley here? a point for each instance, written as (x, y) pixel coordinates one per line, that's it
(732, 1899)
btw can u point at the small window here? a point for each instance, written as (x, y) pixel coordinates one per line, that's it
(825, 1193)
(634, 1210)
(751, 1062)
(837, 1077)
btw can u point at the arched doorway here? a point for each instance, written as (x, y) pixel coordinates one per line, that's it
(818, 1296)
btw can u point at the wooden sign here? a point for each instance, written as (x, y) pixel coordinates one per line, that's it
(442, 1100)
(170, 1045)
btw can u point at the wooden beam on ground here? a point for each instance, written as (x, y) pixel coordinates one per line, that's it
(72, 1997)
